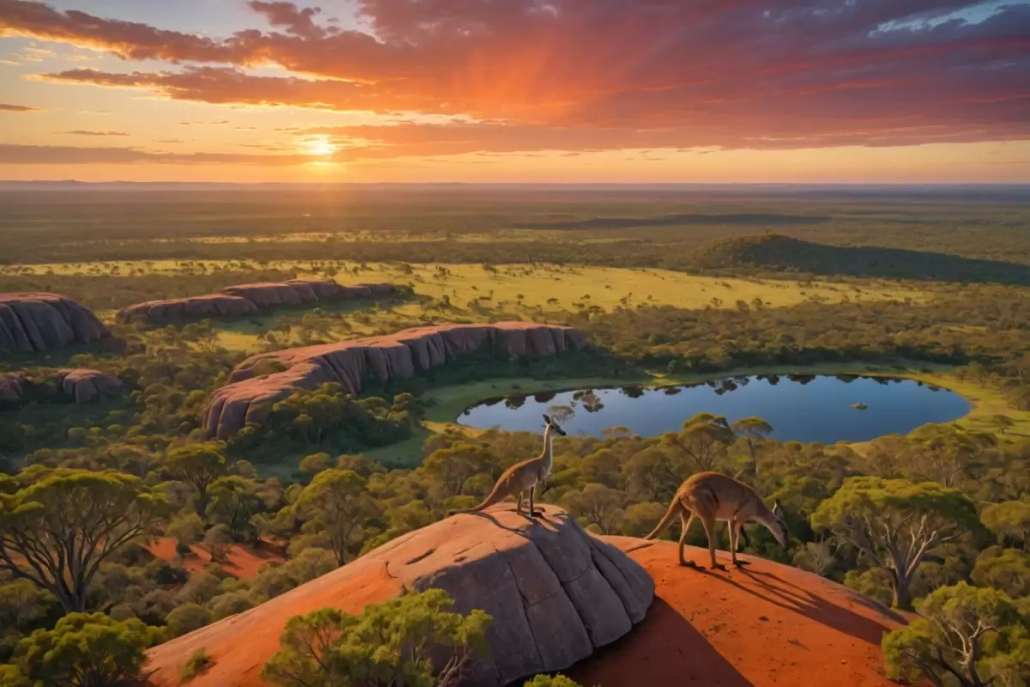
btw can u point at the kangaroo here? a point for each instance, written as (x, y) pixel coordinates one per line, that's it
(523, 477)
(712, 496)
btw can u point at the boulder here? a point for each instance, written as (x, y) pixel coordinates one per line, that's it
(11, 388)
(246, 299)
(36, 322)
(247, 397)
(555, 594)
(85, 385)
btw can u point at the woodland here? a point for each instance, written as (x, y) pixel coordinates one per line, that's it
(120, 519)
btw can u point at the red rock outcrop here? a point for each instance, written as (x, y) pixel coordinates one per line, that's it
(766, 625)
(84, 385)
(35, 322)
(247, 398)
(555, 594)
(245, 299)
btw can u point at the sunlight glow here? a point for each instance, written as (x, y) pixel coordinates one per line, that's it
(318, 145)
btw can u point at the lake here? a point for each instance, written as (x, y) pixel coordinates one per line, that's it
(820, 408)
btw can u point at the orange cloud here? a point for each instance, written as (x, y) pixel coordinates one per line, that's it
(596, 74)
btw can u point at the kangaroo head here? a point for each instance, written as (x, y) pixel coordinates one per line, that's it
(552, 425)
(778, 525)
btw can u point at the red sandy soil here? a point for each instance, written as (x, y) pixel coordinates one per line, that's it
(765, 624)
(241, 561)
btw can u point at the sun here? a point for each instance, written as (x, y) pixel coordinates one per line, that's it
(319, 146)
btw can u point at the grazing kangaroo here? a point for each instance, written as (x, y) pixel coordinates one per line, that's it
(523, 477)
(712, 496)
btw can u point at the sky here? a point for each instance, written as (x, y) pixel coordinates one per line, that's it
(569, 91)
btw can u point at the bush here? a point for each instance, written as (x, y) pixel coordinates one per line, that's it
(198, 662)
(188, 618)
(388, 644)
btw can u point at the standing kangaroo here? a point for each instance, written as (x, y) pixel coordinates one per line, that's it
(712, 496)
(523, 477)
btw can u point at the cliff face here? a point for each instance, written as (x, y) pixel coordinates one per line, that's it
(247, 397)
(36, 322)
(245, 299)
(555, 593)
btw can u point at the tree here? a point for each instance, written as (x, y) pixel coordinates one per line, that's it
(753, 430)
(1004, 569)
(388, 644)
(704, 439)
(896, 523)
(967, 635)
(186, 530)
(454, 467)
(336, 504)
(315, 463)
(598, 505)
(86, 650)
(57, 526)
(233, 502)
(1009, 520)
(198, 465)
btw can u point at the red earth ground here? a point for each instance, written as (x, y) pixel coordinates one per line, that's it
(241, 562)
(763, 625)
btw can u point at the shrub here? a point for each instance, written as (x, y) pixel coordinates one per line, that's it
(198, 662)
(388, 644)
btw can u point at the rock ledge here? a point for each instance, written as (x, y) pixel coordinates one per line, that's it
(248, 397)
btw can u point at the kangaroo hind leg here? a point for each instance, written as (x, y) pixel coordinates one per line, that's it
(685, 523)
(709, 524)
(533, 512)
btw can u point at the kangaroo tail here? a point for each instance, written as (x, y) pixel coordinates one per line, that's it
(675, 508)
(496, 496)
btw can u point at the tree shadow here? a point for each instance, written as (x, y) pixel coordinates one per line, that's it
(791, 597)
(670, 650)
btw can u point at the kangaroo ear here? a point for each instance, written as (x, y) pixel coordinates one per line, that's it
(777, 509)
(547, 419)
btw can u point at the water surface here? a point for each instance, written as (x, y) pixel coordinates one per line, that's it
(803, 408)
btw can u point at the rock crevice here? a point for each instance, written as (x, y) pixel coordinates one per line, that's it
(248, 397)
(247, 299)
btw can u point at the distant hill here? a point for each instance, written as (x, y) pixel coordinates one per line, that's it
(777, 252)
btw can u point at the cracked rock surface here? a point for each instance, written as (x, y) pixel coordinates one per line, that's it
(36, 322)
(249, 396)
(556, 594)
(246, 299)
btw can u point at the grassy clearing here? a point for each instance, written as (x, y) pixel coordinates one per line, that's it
(473, 293)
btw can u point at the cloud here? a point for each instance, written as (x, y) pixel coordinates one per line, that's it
(11, 154)
(599, 74)
(5, 107)
(286, 15)
(81, 132)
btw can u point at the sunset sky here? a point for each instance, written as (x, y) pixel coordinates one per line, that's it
(516, 90)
